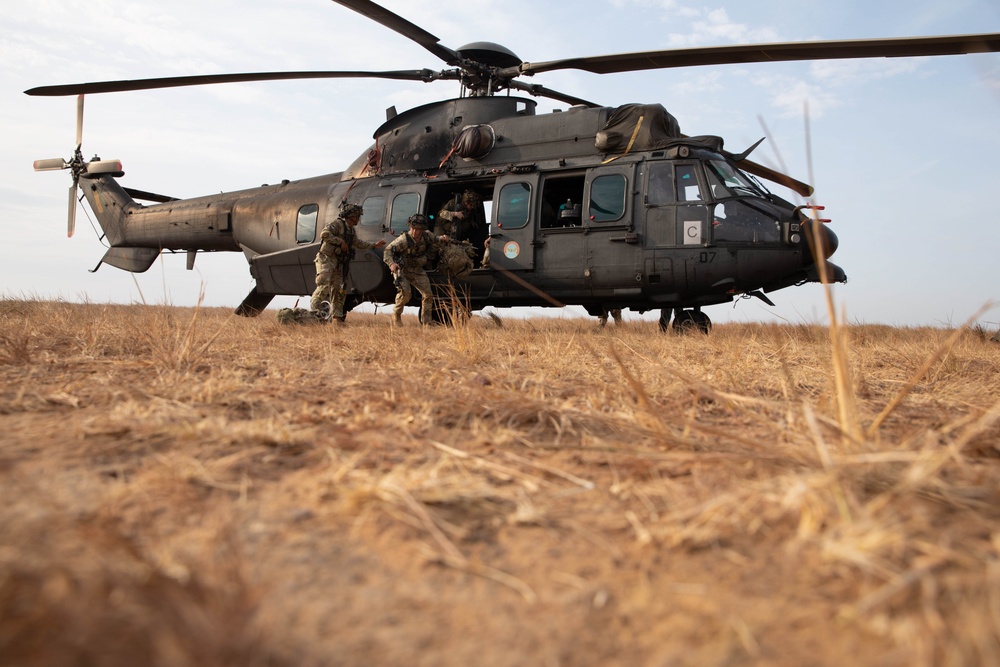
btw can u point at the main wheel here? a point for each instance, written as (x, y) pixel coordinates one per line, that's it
(684, 321)
(701, 319)
(689, 321)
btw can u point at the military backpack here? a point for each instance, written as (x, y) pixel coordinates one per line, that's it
(298, 316)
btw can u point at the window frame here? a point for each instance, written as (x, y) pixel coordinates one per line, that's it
(302, 225)
(370, 216)
(622, 205)
(502, 206)
(398, 216)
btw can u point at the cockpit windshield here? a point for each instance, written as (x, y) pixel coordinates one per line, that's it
(727, 181)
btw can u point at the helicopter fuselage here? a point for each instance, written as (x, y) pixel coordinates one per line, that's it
(577, 213)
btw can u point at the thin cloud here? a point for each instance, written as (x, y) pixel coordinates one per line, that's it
(713, 26)
(855, 72)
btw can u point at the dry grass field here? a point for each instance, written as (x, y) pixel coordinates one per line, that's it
(179, 486)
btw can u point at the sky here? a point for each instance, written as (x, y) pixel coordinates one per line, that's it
(903, 153)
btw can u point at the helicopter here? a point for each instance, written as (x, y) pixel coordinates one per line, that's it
(665, 221)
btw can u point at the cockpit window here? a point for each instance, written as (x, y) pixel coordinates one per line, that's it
(687, 184)
(737, 221)
(727, 181)
(660, 188)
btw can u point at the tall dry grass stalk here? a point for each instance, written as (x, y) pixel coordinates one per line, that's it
(179, 486)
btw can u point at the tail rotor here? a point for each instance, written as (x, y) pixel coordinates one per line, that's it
(78, 167)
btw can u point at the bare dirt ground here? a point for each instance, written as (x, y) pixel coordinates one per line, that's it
(183, 487)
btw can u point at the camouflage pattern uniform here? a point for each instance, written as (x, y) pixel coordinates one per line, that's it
(470, 227)
(412, 255)
(616, 313)
(332, 262)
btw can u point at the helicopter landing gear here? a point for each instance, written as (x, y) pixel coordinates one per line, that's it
(665, 314)
(686, 321)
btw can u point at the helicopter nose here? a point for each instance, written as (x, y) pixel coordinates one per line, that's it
(830, 242)
(818, 231)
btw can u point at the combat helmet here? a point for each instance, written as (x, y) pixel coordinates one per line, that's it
(417, 221)
(470, 197)
(347, 210)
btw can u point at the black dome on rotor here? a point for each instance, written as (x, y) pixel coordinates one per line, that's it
(490, 54)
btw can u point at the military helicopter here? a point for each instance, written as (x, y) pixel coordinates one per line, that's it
(596, 206)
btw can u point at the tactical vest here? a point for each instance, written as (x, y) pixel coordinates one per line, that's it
(338, 228)
(413, 254)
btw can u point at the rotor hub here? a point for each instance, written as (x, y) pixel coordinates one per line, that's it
(490, 54)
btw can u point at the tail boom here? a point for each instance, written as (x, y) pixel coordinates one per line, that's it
(192, 224)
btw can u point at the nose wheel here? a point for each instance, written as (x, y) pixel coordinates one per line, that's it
(686, 320)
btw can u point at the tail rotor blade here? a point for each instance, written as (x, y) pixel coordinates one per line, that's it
(79, 121)
(52, 164)
(71, 221)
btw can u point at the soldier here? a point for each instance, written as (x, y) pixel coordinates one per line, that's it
(616, 313)
(333, 262)
(463, 220)
(408, 256)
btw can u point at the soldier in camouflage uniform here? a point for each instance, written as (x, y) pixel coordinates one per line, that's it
(408, 256)
(463, 220)
(616, 313)
(333, 261)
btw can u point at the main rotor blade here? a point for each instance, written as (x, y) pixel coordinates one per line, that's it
(397, 23)
(782, 51)
(760, 170)
(542, 91)
(425, 75)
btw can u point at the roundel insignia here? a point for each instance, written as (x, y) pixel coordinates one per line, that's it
(511, 249)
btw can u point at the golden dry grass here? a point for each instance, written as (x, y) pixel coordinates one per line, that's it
(183, 487)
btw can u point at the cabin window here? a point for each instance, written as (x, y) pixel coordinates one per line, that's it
(607, 198)
(403, 206)
(687, 184)
(660, 187)
(373, 207)
(513, 205)
(305, 223)
(561, 201)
